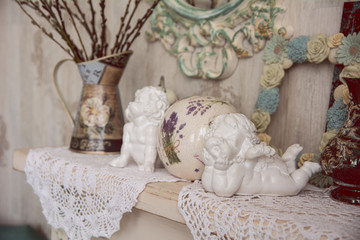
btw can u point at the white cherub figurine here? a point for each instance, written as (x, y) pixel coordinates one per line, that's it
(141, 132)
(237, 162)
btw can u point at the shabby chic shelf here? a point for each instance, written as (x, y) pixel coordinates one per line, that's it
(311, 215)
(156, 207)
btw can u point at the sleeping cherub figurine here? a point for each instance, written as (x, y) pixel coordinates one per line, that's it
(141, 132)
(237, 162)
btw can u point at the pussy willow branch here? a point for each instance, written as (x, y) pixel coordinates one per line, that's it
(81, 19)
(122, 24)
(55, 11)
(89, 27)
(59, 24)
(65, 35)
(76, 29)
(103, 46)
(135, 32)
(93, 24)
(49, 34)
(127, 26)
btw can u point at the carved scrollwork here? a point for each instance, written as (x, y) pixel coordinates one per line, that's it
(209, 42)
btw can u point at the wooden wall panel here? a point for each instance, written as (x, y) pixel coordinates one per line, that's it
(31, 114)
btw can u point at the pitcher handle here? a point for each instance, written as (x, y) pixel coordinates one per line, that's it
(55, 82)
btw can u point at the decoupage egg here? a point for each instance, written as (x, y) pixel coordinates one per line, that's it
(181, 134)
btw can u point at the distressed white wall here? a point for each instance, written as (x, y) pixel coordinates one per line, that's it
(31, 114)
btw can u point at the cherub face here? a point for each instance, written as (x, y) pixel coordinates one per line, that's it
(221, 152)
(149, 103)
(134, 110)
(234, 137)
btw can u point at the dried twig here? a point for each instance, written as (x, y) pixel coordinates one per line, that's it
(76, 29)
(135, 32)
(55, 11)
(127, 27)
(59, 25)
(120, 31)
(49, 34)
(103, 45)
(93, 25)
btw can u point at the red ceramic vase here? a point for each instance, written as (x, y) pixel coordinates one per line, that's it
(341, 156)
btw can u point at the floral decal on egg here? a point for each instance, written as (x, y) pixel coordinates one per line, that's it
(201, 105)
(170, 137)
(95, 116)
(172, 131)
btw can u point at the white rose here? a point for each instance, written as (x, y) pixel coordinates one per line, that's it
(335, 40)
(261, 120)
(317, 48)
(272, 75)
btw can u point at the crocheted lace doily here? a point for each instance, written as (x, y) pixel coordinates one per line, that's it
(309, 215)
(81, 194)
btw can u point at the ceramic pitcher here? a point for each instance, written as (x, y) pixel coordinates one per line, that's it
(98, 125)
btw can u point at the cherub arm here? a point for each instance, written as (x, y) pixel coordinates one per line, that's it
(259, 150)
(226, 183)
(123, 159)
(150, 152)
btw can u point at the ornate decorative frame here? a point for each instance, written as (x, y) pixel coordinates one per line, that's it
(280, 54)
(209, 42)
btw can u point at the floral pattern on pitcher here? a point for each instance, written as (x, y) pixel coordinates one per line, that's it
(95, 115)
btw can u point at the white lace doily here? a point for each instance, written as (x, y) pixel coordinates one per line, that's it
(81, 194)
(309, 215)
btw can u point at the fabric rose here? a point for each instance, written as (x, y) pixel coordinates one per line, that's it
(298, 49)
(275, 50)
(336, 115)
(326, 137)
(332, 56)
(342, 91)
(346, 96)
(268, 100)
(352, 71)
(349, 51)
(287, 63)
(264, 138)
(305, 158)
(261, 120)
(317, 48)
(338, 92)
(335, 40)
(94, 113)
(272, 75)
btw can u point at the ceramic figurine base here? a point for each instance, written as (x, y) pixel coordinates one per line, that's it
(347, 194)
